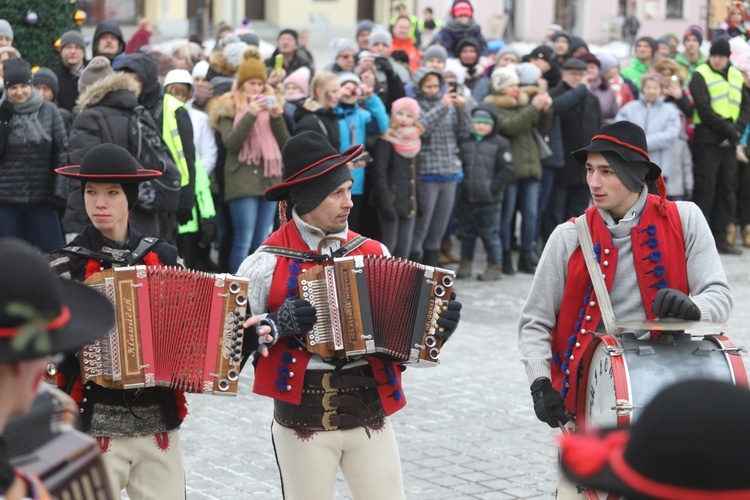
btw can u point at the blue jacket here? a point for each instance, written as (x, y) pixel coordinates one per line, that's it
(356, 123)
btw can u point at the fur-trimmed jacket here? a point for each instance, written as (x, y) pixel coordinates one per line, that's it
(240, 179)
(517, 120)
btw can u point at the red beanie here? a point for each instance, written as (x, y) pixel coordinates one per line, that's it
(462, 9)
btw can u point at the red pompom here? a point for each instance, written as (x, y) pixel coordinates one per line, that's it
(586, 454)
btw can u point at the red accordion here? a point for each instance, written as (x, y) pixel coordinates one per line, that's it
(383, 306)
(175, 328)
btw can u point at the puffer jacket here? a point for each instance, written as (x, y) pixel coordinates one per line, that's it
(27, 171)
(394, 180)
(661, 122)
(312, 116)
(106, 108)
(487, 163)
(517, 119)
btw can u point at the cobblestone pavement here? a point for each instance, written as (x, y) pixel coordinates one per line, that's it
(468, 432)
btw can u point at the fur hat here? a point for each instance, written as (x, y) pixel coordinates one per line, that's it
(380, 36)
(233, 53)
(503, 77)
(251, 67)
(455, 68)
(407, 104)
(97, 69)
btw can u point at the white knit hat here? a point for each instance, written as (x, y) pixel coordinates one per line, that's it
(504, 77)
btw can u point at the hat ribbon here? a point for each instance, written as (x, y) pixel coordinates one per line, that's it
(621, 143)
(54, 324)
(586, 454)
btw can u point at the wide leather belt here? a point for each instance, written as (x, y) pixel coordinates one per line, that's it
(334, 401)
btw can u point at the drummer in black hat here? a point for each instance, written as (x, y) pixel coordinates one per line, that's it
(317, 183)
(33, 326)
(656, 257)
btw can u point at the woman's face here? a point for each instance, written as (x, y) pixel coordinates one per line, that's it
(736, 17)
(651, 91)
(253, 86)
(506, 59)
(19, 93)
(368, 78)
(328, 94)
(346, 60)
(430, 85)
(593, 71)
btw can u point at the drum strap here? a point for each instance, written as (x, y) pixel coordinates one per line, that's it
(595, 272)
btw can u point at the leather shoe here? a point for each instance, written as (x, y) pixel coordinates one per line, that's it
(724, 247)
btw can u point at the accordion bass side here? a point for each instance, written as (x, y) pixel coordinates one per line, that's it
(383, 306)
(174, 328)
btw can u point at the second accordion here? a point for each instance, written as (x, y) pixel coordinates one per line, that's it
(174, 328)
(383, 306)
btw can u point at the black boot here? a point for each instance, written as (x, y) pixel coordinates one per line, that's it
(526, 263)
(430, 257)
(508, 263)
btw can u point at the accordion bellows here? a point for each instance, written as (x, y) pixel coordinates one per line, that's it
(383, 306)
(174, 328)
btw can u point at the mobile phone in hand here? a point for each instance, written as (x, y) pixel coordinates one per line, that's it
(453, 86)
(271, 101)
(279, 61)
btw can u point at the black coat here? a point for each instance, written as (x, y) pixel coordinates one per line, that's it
(578, 126)
(322, 121)
(68, 93)
(27, 169)
(394, 182)
(713, 128)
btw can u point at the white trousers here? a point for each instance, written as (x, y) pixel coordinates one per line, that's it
(565, 489)
(308, 465)
(147, 467)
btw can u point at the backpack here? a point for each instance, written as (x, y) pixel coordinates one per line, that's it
(160, 195)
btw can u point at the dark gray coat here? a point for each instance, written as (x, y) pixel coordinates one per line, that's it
(394, 182)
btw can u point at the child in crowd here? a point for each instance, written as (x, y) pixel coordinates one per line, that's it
(488, 166)
(296, 89)
(462, 25)
(394, 176)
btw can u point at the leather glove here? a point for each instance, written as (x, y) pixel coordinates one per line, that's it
(185, 206)
(295, 316)
(548, 404)
(671, 303)
(450, 313)
(207, 232)
(6, 111)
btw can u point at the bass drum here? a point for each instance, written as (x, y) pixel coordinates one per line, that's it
(621, 375)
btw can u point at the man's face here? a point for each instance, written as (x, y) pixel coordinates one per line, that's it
(573, 77)
(543, 65)
(691, 44)
(72, 55)
(5, 41)
(346, 60)
(643, 51)
(435, 63)
(662, 50)
(401, 29)
(46, 92)
(287, 44)
(108, 45)
(331, 215)
(506, 59)
(468, 55)
(363, 40)
(562, 45)
(107, 207)
(717, 62)
(607, 190)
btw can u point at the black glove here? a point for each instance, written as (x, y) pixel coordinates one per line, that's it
(185, 205)
(6, 111)
(548, 404)
(671, 303)
(58, 204)
(383, 65)
(294, 317)
(207, 232)
(450, 313)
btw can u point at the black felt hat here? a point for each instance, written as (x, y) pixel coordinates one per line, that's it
(108, 163)
(305, 157)
(627, 140)
(691, 441)
(41, 314)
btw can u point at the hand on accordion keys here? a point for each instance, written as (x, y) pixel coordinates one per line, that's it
(450, 313)
(265, 331)
(671, 303)
(295, 316)
(548, 404)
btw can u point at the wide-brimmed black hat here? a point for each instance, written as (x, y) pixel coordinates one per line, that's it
(627, 140)
(41, 314)
(305, 157)
(690, 442)
(108, 163)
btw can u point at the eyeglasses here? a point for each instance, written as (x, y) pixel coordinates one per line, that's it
(347, 56)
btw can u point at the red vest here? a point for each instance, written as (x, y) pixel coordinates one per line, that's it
(282, 373)
(659, 258)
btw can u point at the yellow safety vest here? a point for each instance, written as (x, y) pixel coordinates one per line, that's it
(172, 135)
(726, 96)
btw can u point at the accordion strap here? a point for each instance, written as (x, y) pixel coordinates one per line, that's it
(310, 256)
(142, 249)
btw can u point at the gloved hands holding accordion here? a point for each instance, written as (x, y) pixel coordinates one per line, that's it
(450, 313)
(295, 316)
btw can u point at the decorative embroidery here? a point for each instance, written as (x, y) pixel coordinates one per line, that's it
(305, 436)
(162, 440)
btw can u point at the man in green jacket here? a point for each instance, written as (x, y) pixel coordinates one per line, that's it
(692, 57)
(645, 47)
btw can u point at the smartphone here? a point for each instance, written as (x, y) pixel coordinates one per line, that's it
(279, 61)
(453, 86)
(271, 101)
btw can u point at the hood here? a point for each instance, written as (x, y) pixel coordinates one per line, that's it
(420, 75)
(98, 91)
(145, 67)
(492, 110)
(108, 27)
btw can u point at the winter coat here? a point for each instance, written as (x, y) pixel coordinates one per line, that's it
(577, 125)
(487, 163)
(607, 100)
(634, 72)
(296, 63)
(453, 32)
(242, 180)
(662, 124)
(444, 125)
(312, 116)
(563, 100)
(680, 181)
(105, 111)
(27, 169)
(517, 119)
(68, 82)
(394, 181)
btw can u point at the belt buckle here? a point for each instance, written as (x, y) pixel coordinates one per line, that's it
(326, 421)
(326, 401)
(326, 383)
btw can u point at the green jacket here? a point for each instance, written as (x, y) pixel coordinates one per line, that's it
(689, 66)
(634, 72)
(204, 208)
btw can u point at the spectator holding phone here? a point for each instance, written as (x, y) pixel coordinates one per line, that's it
(250, 119)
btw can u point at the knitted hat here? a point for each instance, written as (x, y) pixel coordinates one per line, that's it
(289, 31)
(250, 39)
(528, 73)
(380, 36)
(543, 52)
(74, 37)
(649, 41)
(558, 34)
(200, 70)
(741, 6)
(482, 116)
(720, 47)
(341, 45)
(406, 104)
(503, 77)
(364, 25)
(494, 46)
(97, 69)
(508, 49)
(348, 76)
(251, 67)
(662, 41)
(300, 78)
(46, 76)
(35, 325)
(695, 31)
(233, 53)
(607, 61)
(589, 58)
(435, 52)
(6, 29)
(462, 8)
(15, 71)
(652, 75)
